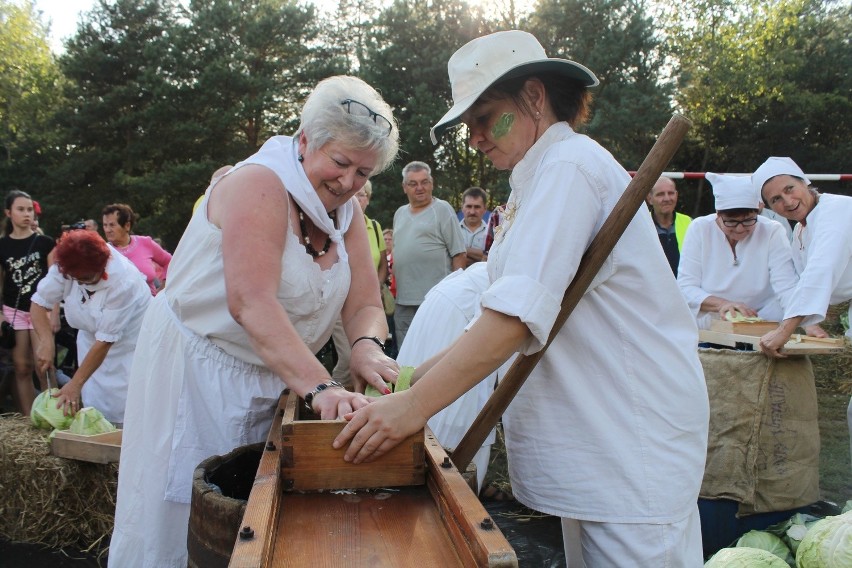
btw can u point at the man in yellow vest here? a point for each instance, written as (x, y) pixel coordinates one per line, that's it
(671, 226)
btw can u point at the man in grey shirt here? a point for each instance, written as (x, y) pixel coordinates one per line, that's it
(427, 244)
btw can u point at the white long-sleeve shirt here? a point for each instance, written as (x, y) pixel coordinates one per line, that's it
(763, 277)
(611, 425)
(822, 253)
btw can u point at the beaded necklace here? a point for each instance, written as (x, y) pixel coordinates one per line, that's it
(308, 246)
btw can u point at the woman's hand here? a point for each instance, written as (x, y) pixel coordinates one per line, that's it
(734, 307)
(45, 354)
(815, 331)
(334, 403)
(379, 427)
(772, 342)
(368, 364)
(68, 398)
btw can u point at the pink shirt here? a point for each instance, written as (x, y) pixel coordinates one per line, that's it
(150, 258)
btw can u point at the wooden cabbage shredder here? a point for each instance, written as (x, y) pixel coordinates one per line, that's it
(412, 506)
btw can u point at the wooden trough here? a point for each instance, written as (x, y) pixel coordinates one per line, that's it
(413, 506)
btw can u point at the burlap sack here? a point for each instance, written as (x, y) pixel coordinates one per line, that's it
(763, 447)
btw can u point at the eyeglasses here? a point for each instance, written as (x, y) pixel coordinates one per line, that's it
(89, 279)
(731, 224)
(356, 108)
(414, 184)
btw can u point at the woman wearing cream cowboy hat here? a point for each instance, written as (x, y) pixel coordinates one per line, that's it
(610, 430)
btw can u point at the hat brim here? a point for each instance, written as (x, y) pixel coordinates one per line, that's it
(563, 67)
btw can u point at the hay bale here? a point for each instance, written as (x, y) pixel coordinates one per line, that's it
(49, 500)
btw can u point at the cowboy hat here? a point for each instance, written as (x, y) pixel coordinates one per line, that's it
(486, 60)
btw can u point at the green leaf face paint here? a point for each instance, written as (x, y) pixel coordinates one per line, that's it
(503, 125)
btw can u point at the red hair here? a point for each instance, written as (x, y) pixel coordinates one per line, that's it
(81, 253)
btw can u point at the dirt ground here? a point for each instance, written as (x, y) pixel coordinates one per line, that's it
(35, 556)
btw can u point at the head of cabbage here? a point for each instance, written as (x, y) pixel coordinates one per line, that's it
(745, 557)
(768, 542)
(89, 421)
(827, 544)
(45, 415)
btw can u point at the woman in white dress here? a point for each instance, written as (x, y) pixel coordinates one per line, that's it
(822, 246)
(105, 298)
(822, 250)
(269, 260)
(609, 432)
(735, 260)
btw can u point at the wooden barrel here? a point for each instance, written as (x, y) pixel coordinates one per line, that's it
(220, 490)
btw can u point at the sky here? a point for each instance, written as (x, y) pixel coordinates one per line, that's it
(63, 15)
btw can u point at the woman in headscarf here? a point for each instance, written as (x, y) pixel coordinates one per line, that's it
(822, 251)
(105, 299)
(274, 254)
(735, 261)
(822, 246)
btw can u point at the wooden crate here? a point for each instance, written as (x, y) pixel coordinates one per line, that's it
(758, 328)
(440, 523)
(309, 463)
(97, 448)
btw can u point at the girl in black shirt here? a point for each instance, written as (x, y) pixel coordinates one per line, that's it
(24, 259)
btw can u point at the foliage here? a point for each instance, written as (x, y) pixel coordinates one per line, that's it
(162, 95)
(761, 78)
(30, 83)
(405, 58)
(151, 96)
(616, 39)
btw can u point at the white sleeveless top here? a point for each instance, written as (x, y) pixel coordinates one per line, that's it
(312, 297)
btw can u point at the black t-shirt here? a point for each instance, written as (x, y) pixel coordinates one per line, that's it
(24, 263)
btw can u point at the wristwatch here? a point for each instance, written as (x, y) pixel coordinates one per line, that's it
(372, 338)
(309, 398)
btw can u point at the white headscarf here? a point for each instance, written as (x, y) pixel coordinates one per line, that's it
(281, 155)
(733, 192)
(776, 166)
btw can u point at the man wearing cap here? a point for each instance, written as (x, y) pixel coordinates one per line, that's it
(735, 261)
(427, 242)
(671, 225)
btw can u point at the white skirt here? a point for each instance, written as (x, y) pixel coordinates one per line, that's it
(188, 400)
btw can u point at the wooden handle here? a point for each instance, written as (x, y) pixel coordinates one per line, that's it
(600, 248)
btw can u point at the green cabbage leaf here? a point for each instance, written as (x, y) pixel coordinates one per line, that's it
(89, 421)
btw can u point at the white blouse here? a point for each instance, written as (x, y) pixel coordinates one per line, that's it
(822, 250)
(612, 424)
(110, 311)
(761, 276)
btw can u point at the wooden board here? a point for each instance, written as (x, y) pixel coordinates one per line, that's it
(440, 523)
(308, 462)
(98, 448)
(758, 328)
(798, 344)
